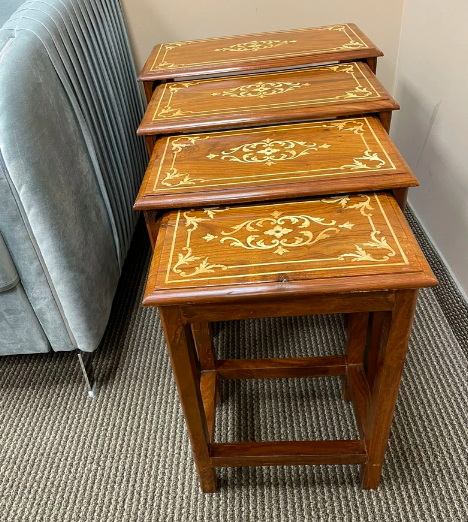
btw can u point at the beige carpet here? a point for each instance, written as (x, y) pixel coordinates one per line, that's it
(125, 456)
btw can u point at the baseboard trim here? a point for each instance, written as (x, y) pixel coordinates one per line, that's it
(448, 294)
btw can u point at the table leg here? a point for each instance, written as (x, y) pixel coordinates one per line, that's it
(184, 365)
(386, 120)
(203, 338)
(387, 381)
(357, 325)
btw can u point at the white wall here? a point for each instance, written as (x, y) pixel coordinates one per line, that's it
(154, 21)
(431, 129)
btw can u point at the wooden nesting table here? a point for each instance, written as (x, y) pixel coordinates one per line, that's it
(285, 134)
(276, 97)
(343, 254)
(276, 162)
(256, 52)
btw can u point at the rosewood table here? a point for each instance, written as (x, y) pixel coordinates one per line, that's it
(329, 91)
(337, 254)
(255, 52)
(276, 162)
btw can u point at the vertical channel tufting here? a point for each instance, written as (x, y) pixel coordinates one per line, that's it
(86, 41)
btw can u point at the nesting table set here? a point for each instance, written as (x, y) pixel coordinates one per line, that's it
(273, 189)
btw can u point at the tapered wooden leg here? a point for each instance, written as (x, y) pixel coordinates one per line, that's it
(386, 120)
(372, 63)
(184, 365)
(204, 345)
(149, 88)
(203, 338)
(355, 345)
(152, 225)
(150, 142)
(401, 196)
(373, 348)
(387, 382)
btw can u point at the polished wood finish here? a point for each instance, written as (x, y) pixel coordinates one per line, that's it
(208, 388)
(373, 348)
(323, 157)
(183, 359)
(286, 453)
(282, 368)
(253, 308)
(360, 396)
(360, 242)
(357, 325)
(337, 253)
(394, 291)
(394, 346)
(277, 97)
(254, 52)
(152, 225)
(204, 344)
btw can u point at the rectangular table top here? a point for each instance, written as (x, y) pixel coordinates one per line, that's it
(256, 99)
(254, 52)
(324, 245)
(277, 162)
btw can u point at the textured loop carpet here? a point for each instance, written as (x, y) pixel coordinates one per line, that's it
(125, 455)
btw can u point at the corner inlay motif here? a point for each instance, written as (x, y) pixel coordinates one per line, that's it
(361, 89)
(351, 41)
(270, 152)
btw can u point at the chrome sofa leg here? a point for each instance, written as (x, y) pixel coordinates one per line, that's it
(86, 364)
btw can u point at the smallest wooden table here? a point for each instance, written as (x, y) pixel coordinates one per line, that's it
(255, 52)
(342, 254)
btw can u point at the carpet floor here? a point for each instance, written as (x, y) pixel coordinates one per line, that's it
(125, 455)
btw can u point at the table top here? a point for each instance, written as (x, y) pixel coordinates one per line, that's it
(254, 52)
(276, 162)
(258, 99)
(323, 245)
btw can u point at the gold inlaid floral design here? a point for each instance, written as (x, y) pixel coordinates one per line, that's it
(348, 40)
(261, 89)
(177, 172)
(275, 227)
(352, 44)
(251, 95)
(269, 151)
(255, 45)
(282, 234)
(377, 240)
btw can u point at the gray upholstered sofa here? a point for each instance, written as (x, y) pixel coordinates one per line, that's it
(70, 167)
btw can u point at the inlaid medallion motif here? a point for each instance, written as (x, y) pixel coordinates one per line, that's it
(282, 150)
(285, 235)
(196, 53)
(261, 89)
(269, 151)
(192, 99)
(256, 45)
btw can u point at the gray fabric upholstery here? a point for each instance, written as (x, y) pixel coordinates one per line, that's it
(8, 274)
(20, 331)
(70, 162)
(7, 8)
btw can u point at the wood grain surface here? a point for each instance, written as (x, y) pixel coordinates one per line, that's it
(286, 161)
(241, 53)
(276, 97)
(322, 245)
